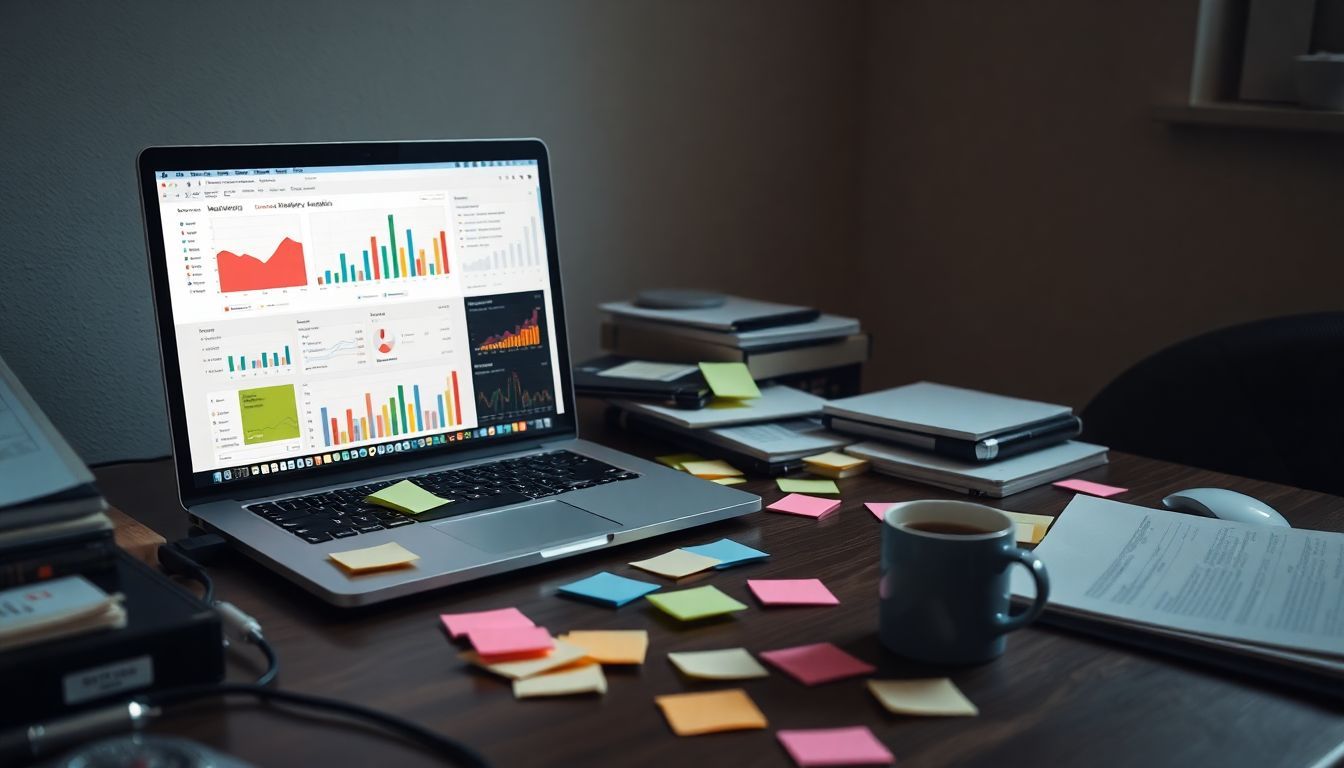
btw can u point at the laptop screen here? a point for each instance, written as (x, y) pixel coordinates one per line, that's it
(323, 315)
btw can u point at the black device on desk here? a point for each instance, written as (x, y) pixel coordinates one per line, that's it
(688, 391)
(170, 639)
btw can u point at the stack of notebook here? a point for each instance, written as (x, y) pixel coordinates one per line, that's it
(964, 440)
(779, 343)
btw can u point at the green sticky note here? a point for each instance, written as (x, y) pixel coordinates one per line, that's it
(730, 380)
(697, 603)
(807, 486)
(406, 497)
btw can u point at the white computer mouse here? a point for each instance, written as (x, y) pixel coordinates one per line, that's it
(1224, 505)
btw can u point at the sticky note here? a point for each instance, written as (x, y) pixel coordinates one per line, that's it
(381, 557)
(807, 486)
(932, 696)
(510, 643)
(817, 663)
(561, 655)
(1087, 486)
(1025, 534)
(711, 470)
(675, 460)
(1030, 528)
(459, 624)
(791, 592)
(730, 380)
(613, 646)
(407, 497)
(835, 746)
(728, 553)
(676, 564)
(608, 589)
(691, 714)
(584, 679)
(694, 604)
(728, 480)
(807, 506)
(879, 508)
(834, 460)
(725, 403)
(726, 664)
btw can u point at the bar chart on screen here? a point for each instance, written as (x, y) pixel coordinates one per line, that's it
(258, 253)
(246, 356)
(402, 404)
(381, 245)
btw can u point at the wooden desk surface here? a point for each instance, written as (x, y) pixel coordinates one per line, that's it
(1052, 699)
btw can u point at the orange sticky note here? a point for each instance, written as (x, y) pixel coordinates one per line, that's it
(691, 714)
(617, 646)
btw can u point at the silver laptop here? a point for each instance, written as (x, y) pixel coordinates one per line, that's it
(335, 318)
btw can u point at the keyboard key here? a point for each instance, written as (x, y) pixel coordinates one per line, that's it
(317, 538)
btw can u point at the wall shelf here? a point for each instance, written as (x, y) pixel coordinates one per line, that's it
(1267, 117)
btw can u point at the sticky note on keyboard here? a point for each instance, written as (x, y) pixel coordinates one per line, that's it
(406, 497)
(585, 679)
(613, 646)
(731, 380)
(726, 664)
(381, 557)
(728, 553)
(694, 604)
(459, 624)
(608, 589)
(937, 696)
(791, 592)
(806, 506)
(691, 714)
(561, 655)
(855, 745)
(711, 470)
(817, 663)
(676, 564)
(807, 486)
(1089, 487)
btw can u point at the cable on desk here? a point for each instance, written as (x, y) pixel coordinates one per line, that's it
(451, 749)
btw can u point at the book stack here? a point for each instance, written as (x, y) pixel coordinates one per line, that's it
(52, 518)
(779, 343)
(968, 441)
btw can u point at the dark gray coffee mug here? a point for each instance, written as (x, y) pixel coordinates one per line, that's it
(944, 596)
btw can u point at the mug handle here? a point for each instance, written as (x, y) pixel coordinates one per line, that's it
(1008, 623)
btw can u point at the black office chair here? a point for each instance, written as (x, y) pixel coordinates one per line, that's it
(1263, 400)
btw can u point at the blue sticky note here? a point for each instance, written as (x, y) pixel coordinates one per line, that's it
(609, 589)
(728, 552)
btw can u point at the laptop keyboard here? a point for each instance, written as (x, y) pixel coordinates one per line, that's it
(343, 513)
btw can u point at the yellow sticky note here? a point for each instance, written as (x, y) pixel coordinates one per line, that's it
(722, 403)
(730, 380)
(563, 654)
(583, 679)
(834, 460)
(1030, 528)
(617, 646)
(389, 555)
(807, 486)
(729, 480)
(694, 604)
(711, 470)
(932, 696)
(691, 714)
(407, 497)
(726, 664)
(675, 460)
(676, 564)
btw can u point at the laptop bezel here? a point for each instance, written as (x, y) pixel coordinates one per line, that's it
(209, 157)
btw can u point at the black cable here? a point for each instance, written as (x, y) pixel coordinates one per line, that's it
(453, 750)
(272, 661)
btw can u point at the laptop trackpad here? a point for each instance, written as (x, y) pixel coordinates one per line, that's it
(534, 527)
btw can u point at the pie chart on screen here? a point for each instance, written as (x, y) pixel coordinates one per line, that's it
(386, 341)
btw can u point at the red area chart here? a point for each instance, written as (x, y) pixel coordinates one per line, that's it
(285, 268)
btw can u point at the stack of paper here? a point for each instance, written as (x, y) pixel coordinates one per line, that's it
(63, 607)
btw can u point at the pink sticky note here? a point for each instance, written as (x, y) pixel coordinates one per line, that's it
(502, 643)
(807, 506)
(835, 746)
(792, 592)
(1087, 486)
(459, 624)
(817, 663)
(879, 508)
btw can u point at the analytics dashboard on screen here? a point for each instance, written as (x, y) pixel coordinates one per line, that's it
(357, 309)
